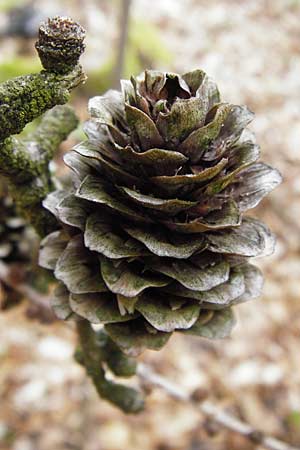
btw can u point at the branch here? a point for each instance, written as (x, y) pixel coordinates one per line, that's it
(95, 350)
(25, 98)
(54, 128)
(25, 162)
(212, 411)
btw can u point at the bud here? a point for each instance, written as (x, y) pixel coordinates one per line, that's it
(60, 44)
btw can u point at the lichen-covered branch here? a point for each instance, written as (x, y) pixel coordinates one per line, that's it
(54, 128)
(24, 163)
(25, 98)
(96, 349)
(25, 159)
(28, 198)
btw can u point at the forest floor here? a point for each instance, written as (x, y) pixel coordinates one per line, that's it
(252, 49)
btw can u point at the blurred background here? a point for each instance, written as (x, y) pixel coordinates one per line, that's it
(252, 49)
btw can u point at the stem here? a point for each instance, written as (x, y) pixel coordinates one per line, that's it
(213, 412)
(95, 350)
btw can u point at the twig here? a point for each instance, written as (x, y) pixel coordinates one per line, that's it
(124, 23)
(96, 349)
(212, 411)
